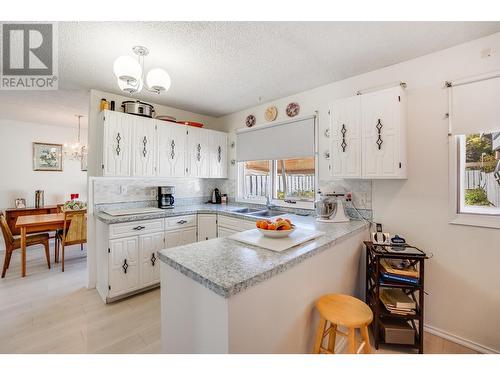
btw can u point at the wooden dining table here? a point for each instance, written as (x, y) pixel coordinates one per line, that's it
(36, 223)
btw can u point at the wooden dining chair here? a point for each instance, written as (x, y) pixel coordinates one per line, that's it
(74, 232)
(12, 243)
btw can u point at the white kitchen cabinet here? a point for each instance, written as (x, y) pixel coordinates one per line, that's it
(225, 232)
(179, 237)
(218, 154)
(198, 159)
(345, 133)
(116, 144)
(144, 147)
(207, 227)
(149, 245)
(384, 134)
(172, 150)
(230, 225)
(123, 266)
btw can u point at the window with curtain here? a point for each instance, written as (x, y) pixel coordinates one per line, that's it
(475, 124)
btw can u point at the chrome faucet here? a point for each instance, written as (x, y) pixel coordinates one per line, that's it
(268, 204)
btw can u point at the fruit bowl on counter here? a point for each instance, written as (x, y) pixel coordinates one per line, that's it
(278, 228)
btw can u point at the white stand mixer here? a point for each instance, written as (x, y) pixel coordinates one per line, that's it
(330, 209)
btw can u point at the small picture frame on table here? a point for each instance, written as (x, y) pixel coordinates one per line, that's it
(20, 203)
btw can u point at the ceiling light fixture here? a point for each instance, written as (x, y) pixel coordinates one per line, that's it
(75, 150)
(130, 74)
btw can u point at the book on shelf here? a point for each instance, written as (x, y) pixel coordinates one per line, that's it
(398, 279)
(399, 267)
(397, 299)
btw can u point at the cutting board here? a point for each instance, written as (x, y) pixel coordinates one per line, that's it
(254, 237)
(133, 211)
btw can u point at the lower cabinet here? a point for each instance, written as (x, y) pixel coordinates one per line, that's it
(224, 232)
(207, 226)
(149, 245)
(179, 237)
(230, 225)
(123, 263)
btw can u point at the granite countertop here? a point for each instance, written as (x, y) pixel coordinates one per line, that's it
(228, 267)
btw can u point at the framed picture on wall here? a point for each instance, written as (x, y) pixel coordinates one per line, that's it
(47, 157)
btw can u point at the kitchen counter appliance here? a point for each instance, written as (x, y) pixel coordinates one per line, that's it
(330, 208)
(166, 197)
(136, 107)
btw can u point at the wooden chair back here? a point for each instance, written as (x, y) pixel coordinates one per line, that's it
(7, 234)
(75, 227)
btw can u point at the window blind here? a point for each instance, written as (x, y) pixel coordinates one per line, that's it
(284, 140)
(475, 107)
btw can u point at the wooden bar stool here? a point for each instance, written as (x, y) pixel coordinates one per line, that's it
(346, 311)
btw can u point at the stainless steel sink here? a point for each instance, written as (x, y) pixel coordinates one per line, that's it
(246, 210)
(267, 213)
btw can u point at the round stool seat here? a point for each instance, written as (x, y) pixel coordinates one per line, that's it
(344, 310)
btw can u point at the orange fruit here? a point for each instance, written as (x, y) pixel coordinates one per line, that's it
(288, 220)
(271, 227)
(263, 225)
(257, 224)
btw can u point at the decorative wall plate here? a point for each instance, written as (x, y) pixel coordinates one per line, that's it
(250, 121)
(292, 109)
(271, 113)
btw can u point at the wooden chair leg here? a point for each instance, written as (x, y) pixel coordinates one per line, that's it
(352, 340)
(319, 335)
(47, 252)
(56, 250)
(6, 262)
(366, 339)
(81, 247)
(62, 249)
(332, 336)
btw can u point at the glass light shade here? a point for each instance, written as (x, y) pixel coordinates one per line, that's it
(127, 68)
(158, 80)
(129, 87)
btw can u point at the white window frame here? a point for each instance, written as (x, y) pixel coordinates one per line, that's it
(300, 204)
(458, 214)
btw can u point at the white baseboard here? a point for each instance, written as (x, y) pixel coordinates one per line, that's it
(460, 340)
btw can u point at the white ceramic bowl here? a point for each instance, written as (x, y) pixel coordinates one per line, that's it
(276, 233)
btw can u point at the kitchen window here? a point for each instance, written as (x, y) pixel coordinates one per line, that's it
(288, 182)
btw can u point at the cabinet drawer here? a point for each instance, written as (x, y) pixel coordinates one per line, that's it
(236, 224)
(135, 228)
(180, 222)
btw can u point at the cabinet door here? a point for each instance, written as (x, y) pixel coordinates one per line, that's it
(123, 265)
(218, 154)
(345, 121)
(198, 152)
(144, 147)
(179, 237)
(225, 232)
(381, 122)
(171, 149)
(207, 227)
(116, 144)
(149, 245)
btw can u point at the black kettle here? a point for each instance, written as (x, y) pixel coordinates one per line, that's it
(216, 197)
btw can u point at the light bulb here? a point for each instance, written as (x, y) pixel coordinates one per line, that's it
(130, 88)
(158, 80)
(127, 69)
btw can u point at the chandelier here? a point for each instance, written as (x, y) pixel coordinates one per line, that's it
(75, 150)
(129, 73)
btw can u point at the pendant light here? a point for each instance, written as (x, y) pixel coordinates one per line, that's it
(75, 150)
(130, 74)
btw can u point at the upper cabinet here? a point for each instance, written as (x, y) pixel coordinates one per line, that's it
(142, 147)
(368, 136)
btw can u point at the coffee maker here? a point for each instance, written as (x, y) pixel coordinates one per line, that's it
(166, 196)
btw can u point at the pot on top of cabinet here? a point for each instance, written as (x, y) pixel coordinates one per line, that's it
(136, 107)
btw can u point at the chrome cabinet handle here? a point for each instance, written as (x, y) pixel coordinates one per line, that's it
(172, 149)
(118, 139)
(144, 142)
(219, 154)
(344, 143)
(140, 227)
(125, 266)
(182, 222)
(379, 133)
(198, 152)
(153, 259)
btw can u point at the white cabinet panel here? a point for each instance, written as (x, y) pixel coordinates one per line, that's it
(149, 245)
(172, 151)
(218, 154)
(123, 265)
(345, 122)
(179, 237)
(225, 232)
(116, 144)
(198, 153)
(383, 134)
(207, 226)
(144, 147)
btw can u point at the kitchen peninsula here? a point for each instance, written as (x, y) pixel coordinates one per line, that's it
(223, 296)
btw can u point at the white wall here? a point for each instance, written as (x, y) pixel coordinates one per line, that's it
(17, 178)
(462, 278)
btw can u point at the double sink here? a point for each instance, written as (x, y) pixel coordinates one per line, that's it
(259, 212)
